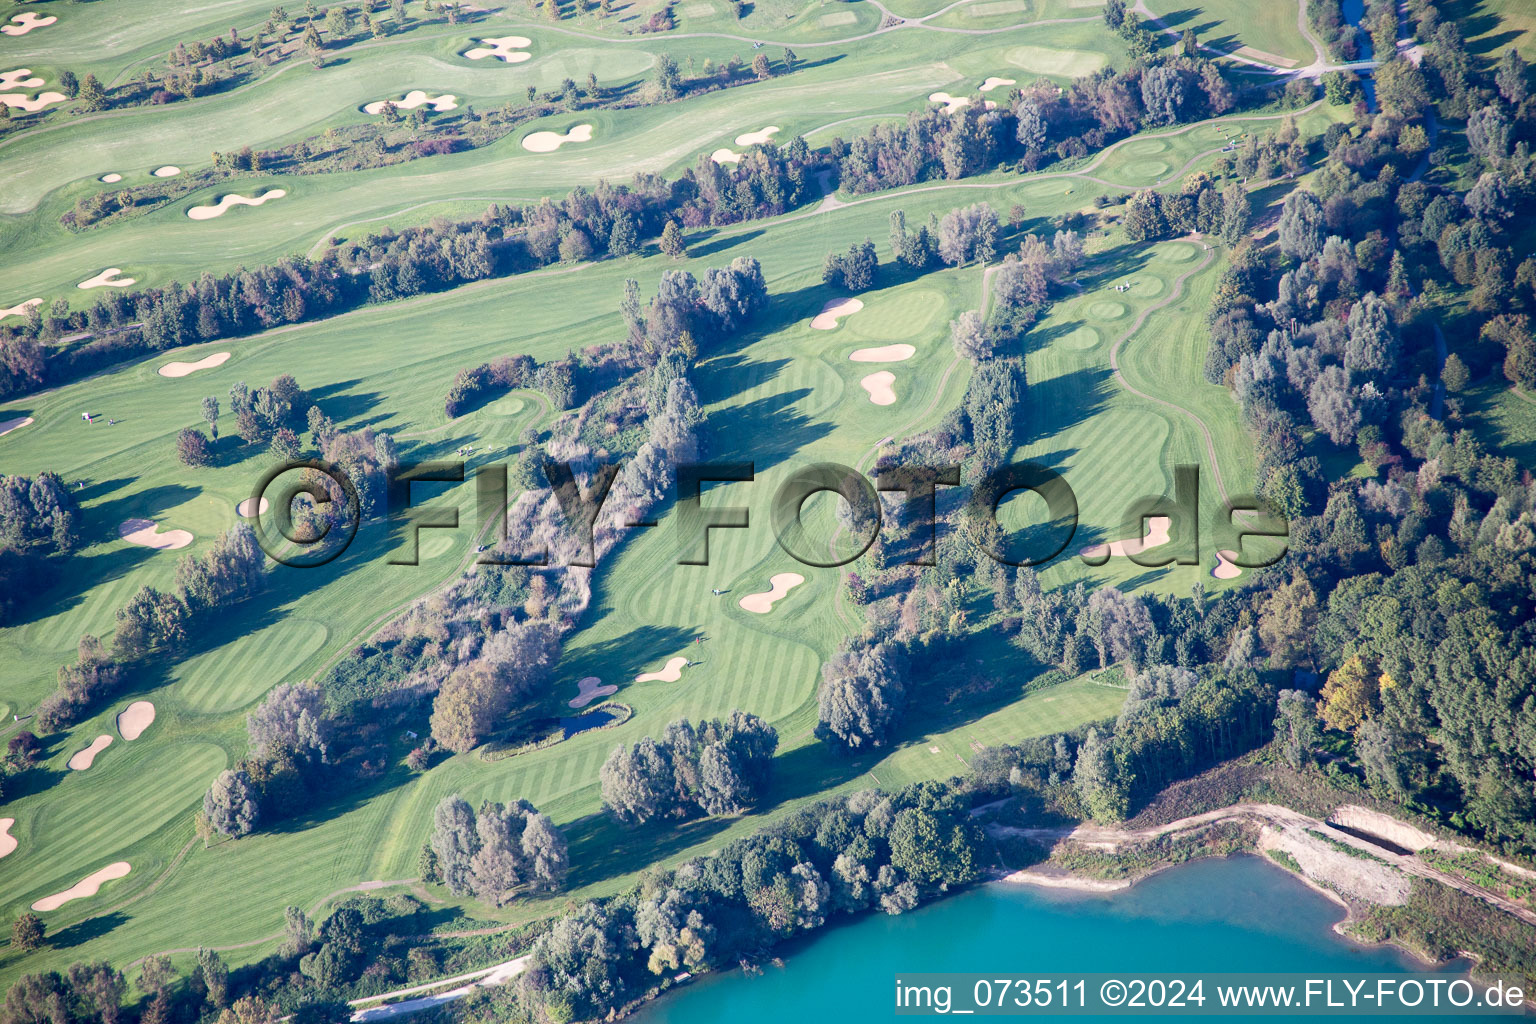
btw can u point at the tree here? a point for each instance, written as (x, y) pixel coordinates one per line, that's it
(624, 237)
(92, 95)
(212, 974)
(672, 241)
(760, 67)
(545, 852)
(1114, 14)
(1401, 90)
(1098, 780)
(969, 335)
(1454, 374)
(28, 932)
(193, 448)
(1348, 697)
(1302, 225)
(69, 85)
(156, 973)
(455, 840)
(1236, 213)
(231, 804)
(1287, 620)
(1144, 217)
(292, 717)
(968, 233)
(469, 705)
(861, 698)
(211, 415)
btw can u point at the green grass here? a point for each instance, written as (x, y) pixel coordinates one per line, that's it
(1230, 25)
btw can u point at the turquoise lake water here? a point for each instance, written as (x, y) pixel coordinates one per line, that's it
(1242, 914)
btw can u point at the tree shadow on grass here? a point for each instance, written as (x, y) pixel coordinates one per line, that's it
(85, 931)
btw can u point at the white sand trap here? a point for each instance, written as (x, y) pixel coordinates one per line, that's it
(112, 179)
(670, 674)
(232, 200)
(168, 171)
(20, 309)
(993, 83)
(134, 719)
(9, 425)
(25, 23)
(145, 533)
(244, 508)
(759, 137)
(954, 103)
(83, 759)
(590, 688)
(879, 387)
(7, 841)
(19, 79)
(508, 48)
(1225, 570)
(1265, 58)
(181, 369)
(1157, 536)
(781, 583)
(548, 142)
(107, 279)
(416, 98)
(827, 319)
(19, 101)
(87, 886)
(725, 156)
(883, 354)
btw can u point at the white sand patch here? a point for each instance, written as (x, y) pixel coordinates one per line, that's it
(9, 425)
(134, 719)
(7, 841)
(883, 354)
(758, 137)
(145, 533)
(993, 83)
(20, 309)
(827, 319)
(416, 98)
(19, 101)
(83, 759)
(107, 279)
(548, 142)
(670, 674)
(87, 886)
(112, 179)
(781, 583)
(725, 156)
(879, 387)
(590, 689)
(19, 79)
(181, 369)
(1265, 58)
(245, 511)
(507, 48)
(25, 23)
(1225, 570)
(168, 171)
(1157, 536)
(232, 200)
(954, 103)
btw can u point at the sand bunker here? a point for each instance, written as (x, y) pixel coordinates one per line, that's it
(245, 511)
(20, 309)
(827, 319)
(168, 171)
(590, 689)
(954, 103)
(759, 137)
(7, 841)
(25, 23)
(19, 100)
(107, 279)
(181, 369)
(134, 719)
(1265, 58)
(548, 142)
(781, 583)
(19, 79)
(232, 200)
(507, 48)
(879, 387)
(1225, 570)
(883, 354)
(9, 425)
(670, 674)
(993, 83)
(725, 156)
(83, 759)
(112, 179)
(416, 98)
(87, 886)
(145, 533)
(1157, 536)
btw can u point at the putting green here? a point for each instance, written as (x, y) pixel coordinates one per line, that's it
(238, 673)
(1047, 61)
(511, 405)
(1147, 286)
(1175, 253)
(899, 314)
(1145, 170)
(1106, 309)
(1144, 147)
(1082, 338)
(435, 543)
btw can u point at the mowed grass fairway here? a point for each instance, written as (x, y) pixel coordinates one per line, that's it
(783, 396)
